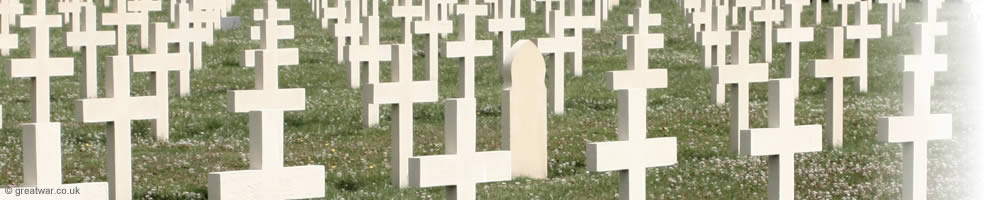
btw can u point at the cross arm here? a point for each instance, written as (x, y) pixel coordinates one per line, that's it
(30, 67)
(645, 79)
(505, 24)
(90, 38)
(161, 62)
(773, 15)
(790, 35)
(621, 155)
(934, 63)
(830, 68)
(281, 99)
(440, 170)
(112, 109)
(28, 21)
(731, 74)
(870, 31)
(775, 141)
(428, 27)
(299, 182)
(914, 128)
(400, 92)
(475, 48)
(622, 41)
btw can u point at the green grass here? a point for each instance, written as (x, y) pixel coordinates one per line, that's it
(206, 138)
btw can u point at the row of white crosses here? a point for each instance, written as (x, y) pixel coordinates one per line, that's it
(918, 125)
(41, 137)
(634, 152)
(268, 178)
(559, 45)
(836, 67)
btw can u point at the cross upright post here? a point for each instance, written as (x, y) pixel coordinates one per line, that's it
(9, 10)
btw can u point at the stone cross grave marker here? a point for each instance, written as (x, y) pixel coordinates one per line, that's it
(525, 122)
(367, 58)
(892, 9)
(435, 26)
(462, 167)
(409, 12)
(160, 62)
(781, 140)
(402, 93)
(576, 21)
(715, 38)
(348, 31)
(559, 45)
(268, 178)
(71, 15)
(631, 85)
(918, 125)
(769, 14)
(144, 7)
(42, 151)
(835, 67)
(9, 10)
(506, 20)
(198, 33)
(793, 35)
(741, 73)
(467, 48)
(89, 39)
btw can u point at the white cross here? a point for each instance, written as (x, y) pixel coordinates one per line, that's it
(633, 153)
(698, 15)
(71, 15)
(214, 6)
(505, 22)
(367, 57)
(121, 19)
(740, 73)
(892, 9)
(746, 6)
(549, 7)
(467, 48)
(835, 68)
(577, 21)
(9, 10)
(348, 31)
(144, 7)
(268, 178)
(328, 13)
(715, 38)
(781, 140)
(402, 93)
(42, 150)
(409, 12)
(89, 39)
(918, 125)
(198, 33)
(160, 62)
(793, 34)
(435, 26)
(461, 168)
(559, 45)
(117, 111)
(770, 15)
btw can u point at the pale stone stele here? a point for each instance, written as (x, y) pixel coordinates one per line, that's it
(525, 122)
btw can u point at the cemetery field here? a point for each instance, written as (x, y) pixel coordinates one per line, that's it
(206, 137)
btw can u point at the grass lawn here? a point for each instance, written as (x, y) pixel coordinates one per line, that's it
(206, 138)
